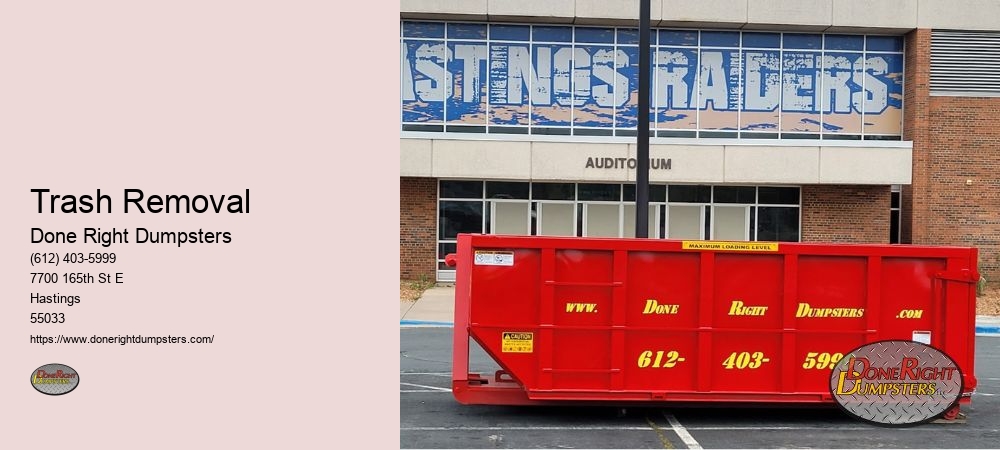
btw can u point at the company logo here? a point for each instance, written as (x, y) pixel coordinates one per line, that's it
(896, 383)
(55, 379)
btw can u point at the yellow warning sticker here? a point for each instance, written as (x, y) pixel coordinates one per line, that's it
(517, 342)
(730, 246)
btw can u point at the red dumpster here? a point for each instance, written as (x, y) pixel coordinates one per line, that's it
(642, 320)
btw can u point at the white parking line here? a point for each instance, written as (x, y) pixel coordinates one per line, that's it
(432, 388)
(696, 428)
(436, 374)
(682, 432)
(414, 391)
(577, 428)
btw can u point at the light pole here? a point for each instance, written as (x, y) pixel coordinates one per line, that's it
(642, 141)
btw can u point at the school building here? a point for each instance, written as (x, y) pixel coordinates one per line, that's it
(770, 120)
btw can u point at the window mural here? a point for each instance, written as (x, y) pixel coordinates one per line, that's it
(547, 79)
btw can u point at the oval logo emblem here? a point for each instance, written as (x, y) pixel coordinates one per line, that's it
(55, 379)
(896, 383)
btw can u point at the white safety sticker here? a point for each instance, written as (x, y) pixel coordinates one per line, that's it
(923, 337)
(493, 258)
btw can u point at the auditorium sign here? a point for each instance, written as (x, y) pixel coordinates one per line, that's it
(594, 162)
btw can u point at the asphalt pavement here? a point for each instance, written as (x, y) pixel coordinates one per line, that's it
(431, 418)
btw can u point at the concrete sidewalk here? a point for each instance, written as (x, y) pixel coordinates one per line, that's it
(436, 308)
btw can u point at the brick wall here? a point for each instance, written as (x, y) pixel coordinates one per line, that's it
(955, 140)
(916, 99)
(417, 228)
(964, 146)
(835, 213)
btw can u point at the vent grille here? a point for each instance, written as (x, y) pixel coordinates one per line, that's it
(965, 63)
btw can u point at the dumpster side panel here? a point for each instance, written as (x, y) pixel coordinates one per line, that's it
(653, 320)
(907, 291)
(663, 290)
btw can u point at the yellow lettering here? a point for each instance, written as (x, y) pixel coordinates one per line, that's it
(739, 309)
(654, 307)
(910, 314)
(840, 385)
(806, 310)
(581, 307)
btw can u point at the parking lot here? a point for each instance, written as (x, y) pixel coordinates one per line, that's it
(431, 418)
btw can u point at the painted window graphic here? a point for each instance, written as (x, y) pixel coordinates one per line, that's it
(547, 79)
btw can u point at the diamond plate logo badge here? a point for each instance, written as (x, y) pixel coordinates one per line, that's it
(896, 383)
(55, 379)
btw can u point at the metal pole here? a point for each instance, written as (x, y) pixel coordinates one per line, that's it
(642, 143)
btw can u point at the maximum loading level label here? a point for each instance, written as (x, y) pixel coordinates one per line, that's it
(517, 342)
(493, 258)
(731, 246)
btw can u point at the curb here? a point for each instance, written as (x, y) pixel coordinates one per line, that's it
(424, 323)
(988, 331)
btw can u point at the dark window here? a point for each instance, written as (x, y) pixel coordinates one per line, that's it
(895, 200)
(466, 129)
(509, 32)
(777, 224)
(893, 227)
(445, 248)
(778, 195)
(414, 127)
(461, 189)
(735, 194)
(762, 40)
(592, 132)
(552, 191)
(600, 192)
(459, 217)
(676, 133)
(689, 194)
(657, 193)
(718, 134)
(803, 41)
(720, 39)
(506, 189)
(844, 42)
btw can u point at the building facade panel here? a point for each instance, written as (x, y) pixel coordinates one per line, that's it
(959, 14)
(685, 163)
(481, 159)
(896, 15)
(415, 158)
(719, 14)
(790, 14)
(789, 165)
(454, 9)
(573, 161)
(557, 11)
(850, 165)
(614, 12)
